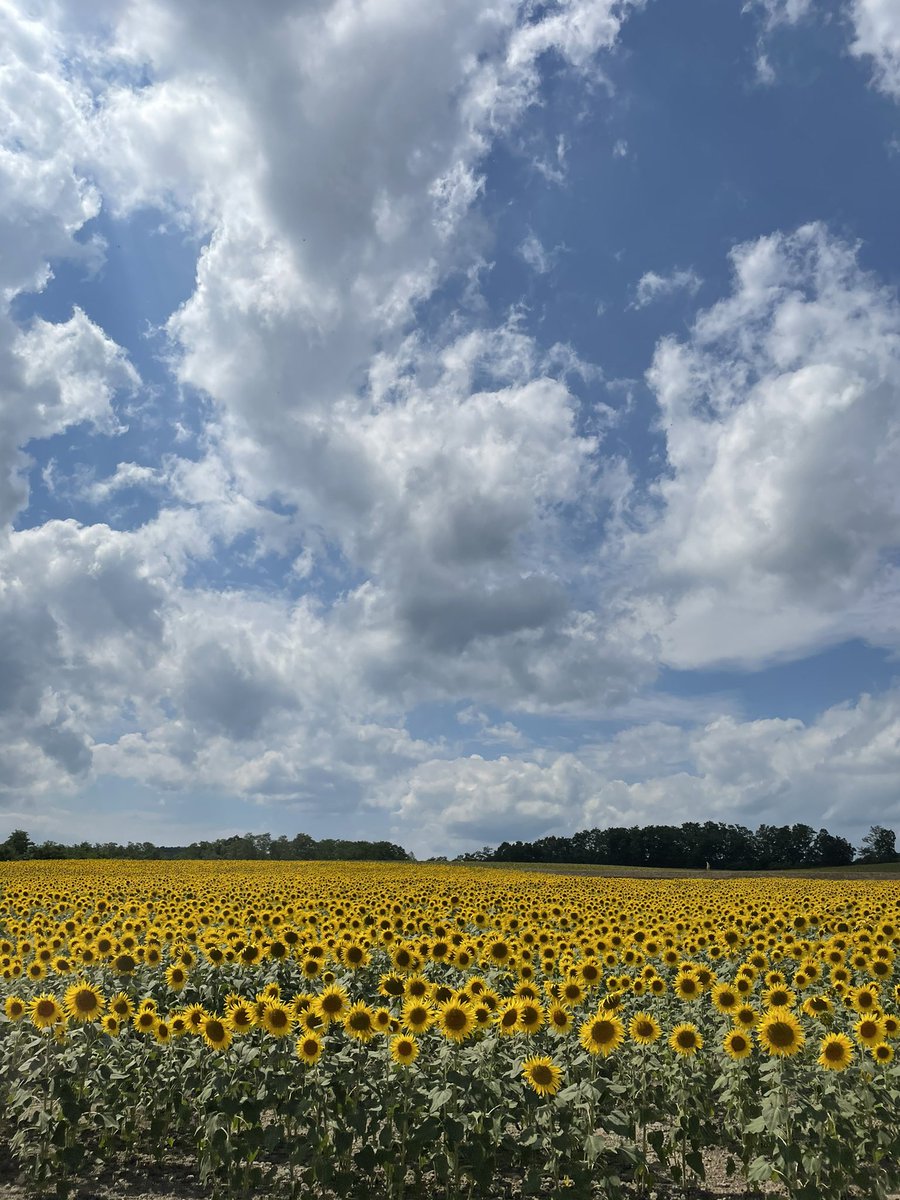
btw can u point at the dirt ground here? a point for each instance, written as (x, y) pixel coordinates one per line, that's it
(148, 1181)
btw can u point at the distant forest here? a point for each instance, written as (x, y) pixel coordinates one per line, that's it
(694, 845)
(19, 846)
(691, 845)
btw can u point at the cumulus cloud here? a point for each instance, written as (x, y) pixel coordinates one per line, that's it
(52, 375)
(434, 504)
(877, 36)
(839, 770)
(429, 478)
(776, 525)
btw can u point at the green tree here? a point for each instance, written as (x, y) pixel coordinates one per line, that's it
(17, 845)
(878, 846)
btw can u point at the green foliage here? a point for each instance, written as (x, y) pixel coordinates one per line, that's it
(248, 847)
(692, 845)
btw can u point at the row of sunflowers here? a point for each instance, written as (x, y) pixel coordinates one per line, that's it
(345, 1029)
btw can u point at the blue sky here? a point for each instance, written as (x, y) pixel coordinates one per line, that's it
(478, 423)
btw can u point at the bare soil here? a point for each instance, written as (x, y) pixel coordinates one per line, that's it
(146, 1180)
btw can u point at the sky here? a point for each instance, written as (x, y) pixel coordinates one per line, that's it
(448, 423)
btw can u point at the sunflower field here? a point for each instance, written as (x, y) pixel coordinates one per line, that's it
(317, 1030)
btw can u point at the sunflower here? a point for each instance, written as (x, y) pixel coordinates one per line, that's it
(122, 964)
(482, 1015)
(882, 1053)
(725, 998)
(736, 1044)
(121, 1006)
(779, 1033)
(15, 1008)
(571, 993)
(312, 1021)
(417, 1016)
(162, 1031)
(559, 1019)
(864, 999)
(216, 1033)
(869, 1030)
(531, 1016)
(382, 1018)
(309, 1049)
(746, 1016)
(277, 1019)
(391, 984)
(686, 1039)
(687, 987)
(45, 1012)
(404, 1049)
(498, 952)
(195, 1017)
(144, 1020)
(359, 1022)
(332, 1004)
(455, 1020)
(526, 991)
(404, 959)
(543, 1075)
(779, 996)
(83, 1003)
(601, 1034)
(240, 1016)
(418, 987)
(111, 1024)
(590, 973)
(176, 977)
(818, 1006)
(644, 1029)
(704, 976)
(835, 1052)
(507, 1017)
(355, 956)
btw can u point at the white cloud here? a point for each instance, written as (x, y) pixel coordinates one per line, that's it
(43, 119)
(534, 254)
(777, 522)
(652, 286)
(443, 499)
(838, 771)
(781, 12)
(53, 376)
(555, 170)
(334, 190)
(877, 35)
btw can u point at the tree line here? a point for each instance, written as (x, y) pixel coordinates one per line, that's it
(19, 846)
(696, 845)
